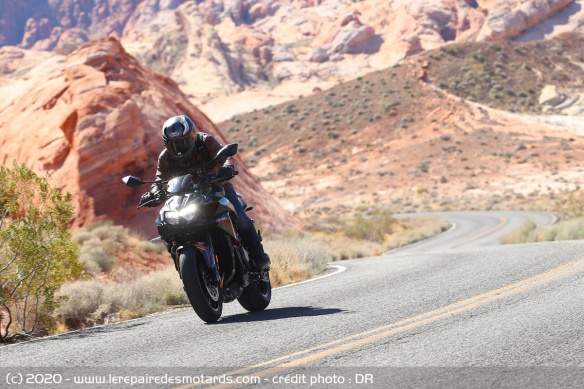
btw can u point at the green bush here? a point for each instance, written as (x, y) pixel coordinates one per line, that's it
(37, 254)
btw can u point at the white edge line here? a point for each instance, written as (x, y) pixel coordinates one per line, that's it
(339, 270)
(452, 228)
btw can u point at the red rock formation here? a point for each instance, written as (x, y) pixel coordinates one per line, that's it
(506, 21)
(222, 47)
(99, 119)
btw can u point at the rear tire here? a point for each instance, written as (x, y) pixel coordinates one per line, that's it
(257, 295)
(205, 296)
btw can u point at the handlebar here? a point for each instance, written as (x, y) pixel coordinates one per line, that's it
(162, 195)
(212, 179)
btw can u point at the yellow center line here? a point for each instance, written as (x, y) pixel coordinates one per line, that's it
(502, 222)
(347, 343)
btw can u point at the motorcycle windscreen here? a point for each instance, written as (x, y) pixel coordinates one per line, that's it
(179, 184)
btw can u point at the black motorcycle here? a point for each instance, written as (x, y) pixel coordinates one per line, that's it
(198, 226)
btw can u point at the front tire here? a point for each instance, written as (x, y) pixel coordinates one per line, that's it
(257, 295)
(205, 295)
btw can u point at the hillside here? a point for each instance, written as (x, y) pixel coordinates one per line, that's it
(395, 139)
(95, 116)
(512, 76)
(409, 137)
(270, 51)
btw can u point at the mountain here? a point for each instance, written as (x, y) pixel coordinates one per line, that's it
(432, 133)
(410, 105)
(94, 116)
(275, 50)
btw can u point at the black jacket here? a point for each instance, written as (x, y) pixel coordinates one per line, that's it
(205, 149)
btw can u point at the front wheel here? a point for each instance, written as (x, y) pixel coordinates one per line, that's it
(257, 295)
(201, 286)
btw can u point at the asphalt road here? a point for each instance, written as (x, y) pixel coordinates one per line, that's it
(457, 310)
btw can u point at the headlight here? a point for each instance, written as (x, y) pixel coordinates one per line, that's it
(189, 212)
(171, 217)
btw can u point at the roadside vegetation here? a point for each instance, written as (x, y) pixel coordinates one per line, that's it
(53, 281)
(571, 226)
(37, 254)
(370, 231)
(115, 291)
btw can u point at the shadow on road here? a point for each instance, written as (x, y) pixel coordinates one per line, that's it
(279, 313)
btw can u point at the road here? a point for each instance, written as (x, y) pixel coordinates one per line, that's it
(457, 310)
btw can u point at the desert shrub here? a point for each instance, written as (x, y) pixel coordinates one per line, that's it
(93, 302)
(296, 256)
(96, 258)
(99, 243)
(81, 300)
(570, 207)
(565, 230)
(37, 254)
(415, 229)
(149, 247)
(372, 227)
(523, 235)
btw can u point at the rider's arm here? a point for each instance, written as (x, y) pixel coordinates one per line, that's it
(213, 146)
(163, 172)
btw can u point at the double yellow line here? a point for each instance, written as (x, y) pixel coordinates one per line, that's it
(283, 363)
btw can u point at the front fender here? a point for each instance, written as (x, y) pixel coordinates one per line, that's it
(205, 249)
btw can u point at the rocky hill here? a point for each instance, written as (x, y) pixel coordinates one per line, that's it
(275, 49)
(406, 103)
(407, 139)
(93, 117)
(535, 77)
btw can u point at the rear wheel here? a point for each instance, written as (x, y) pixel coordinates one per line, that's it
(257, 295)
(201, 285)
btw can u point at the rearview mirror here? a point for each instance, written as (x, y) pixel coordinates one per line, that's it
(226, 151)
(132, 181)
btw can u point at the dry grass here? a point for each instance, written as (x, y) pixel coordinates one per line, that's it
(100, 243)
(92, 302)
(565, 230)
(413, 230)
(570, 208)
(403, 232)
(296, 256)
(123, 295)
(347, 248)
(373, 226)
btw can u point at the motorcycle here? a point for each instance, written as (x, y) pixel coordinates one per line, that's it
(198, 226)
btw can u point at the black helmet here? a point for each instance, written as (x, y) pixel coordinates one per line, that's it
(179, 134)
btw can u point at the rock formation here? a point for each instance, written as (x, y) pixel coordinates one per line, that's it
(510, 18)
(214, 48)
(96, 119)
(93, 116)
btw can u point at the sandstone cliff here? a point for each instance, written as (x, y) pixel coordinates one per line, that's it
(97, 118)
(213, 48)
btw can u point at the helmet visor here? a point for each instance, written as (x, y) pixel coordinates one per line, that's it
(179, 147)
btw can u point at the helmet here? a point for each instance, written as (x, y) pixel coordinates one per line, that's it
(179, 134)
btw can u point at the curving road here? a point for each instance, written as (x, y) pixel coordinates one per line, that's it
(457, 310)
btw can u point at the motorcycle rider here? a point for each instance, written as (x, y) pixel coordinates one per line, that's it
(188, 151)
